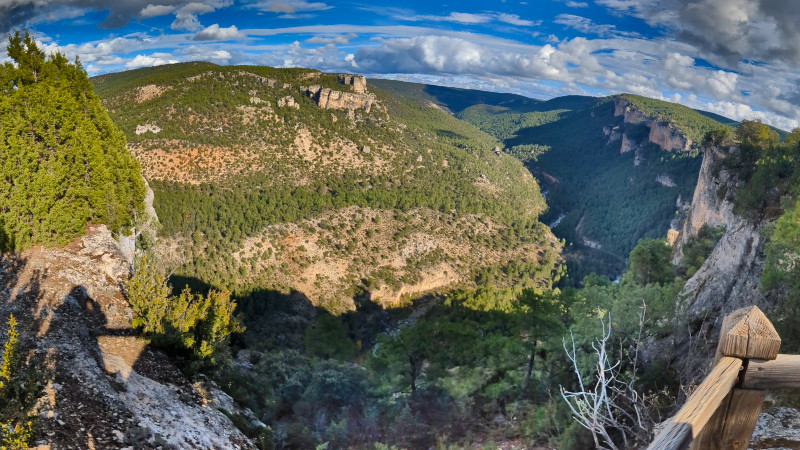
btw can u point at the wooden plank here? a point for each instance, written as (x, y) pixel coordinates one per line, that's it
(702, 404)
(712, 432)
(744, 410)
(782, 373)
(747, 333)
(733, 423)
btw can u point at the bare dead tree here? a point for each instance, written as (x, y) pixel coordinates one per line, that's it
(611, 404)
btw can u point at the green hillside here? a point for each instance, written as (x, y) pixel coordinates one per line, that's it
(257, 187)
(601, 200)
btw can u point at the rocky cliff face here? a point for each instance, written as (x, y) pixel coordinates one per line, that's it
(665, 135)
(728, 280)
(327, 98)
(105, 387)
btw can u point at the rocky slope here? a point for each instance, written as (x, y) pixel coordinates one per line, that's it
(728, 279)
(105, 387)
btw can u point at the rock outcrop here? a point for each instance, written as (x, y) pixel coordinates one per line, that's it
(357, 83)
(665, 135)
(327, 98)
(105, 388)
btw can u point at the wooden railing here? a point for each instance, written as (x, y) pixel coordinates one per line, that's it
(722, 412)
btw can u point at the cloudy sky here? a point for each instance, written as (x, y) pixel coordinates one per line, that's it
(738, 58)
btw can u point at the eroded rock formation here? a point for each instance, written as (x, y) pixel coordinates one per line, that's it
(105, 388)
(665, 135)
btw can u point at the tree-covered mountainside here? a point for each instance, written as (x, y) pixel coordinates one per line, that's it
(292, 180)
(614, 169)
(63, 163)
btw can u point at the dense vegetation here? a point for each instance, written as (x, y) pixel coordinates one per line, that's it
(62, 161)
(601, 201)
(771, 190)
(257, 166)
(477, 367)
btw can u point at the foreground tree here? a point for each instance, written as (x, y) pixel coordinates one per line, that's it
(63, 163)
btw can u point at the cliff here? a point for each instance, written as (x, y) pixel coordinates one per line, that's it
(327, 98)
(105, 387)
(729, 278)
(663, 134)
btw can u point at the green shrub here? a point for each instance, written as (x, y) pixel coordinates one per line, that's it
(191, 323)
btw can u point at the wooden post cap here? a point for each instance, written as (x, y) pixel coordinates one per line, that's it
(747, 333)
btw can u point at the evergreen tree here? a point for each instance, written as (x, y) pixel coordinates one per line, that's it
(63, 163)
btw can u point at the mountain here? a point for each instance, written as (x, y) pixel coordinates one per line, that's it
(614, 169)
(297, 181)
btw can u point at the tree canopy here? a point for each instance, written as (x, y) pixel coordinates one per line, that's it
(63, 163)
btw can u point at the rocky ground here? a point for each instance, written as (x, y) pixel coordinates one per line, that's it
(104, 387)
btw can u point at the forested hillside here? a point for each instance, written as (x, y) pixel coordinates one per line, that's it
(259, 185)
(614, 169)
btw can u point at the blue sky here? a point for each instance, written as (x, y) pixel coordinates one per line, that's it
(738, 58)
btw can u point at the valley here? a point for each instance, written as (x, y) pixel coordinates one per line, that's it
(301, 259)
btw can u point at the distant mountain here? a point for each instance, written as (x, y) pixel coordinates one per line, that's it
(296, 180)
(614, 169)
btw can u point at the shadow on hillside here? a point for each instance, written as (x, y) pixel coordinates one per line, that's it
(281, 320)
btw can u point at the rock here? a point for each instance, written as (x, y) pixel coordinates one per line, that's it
(327, 98)
(288, 101)
(141, 129)
(665, 180)
(357, 83)
(627, 144)
(665, 135)
(73, 310)
(777, 428)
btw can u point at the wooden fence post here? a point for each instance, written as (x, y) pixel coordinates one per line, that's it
(746, 333)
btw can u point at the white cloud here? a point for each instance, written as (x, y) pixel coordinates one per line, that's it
(342, 39)
(289, 6)
(573, 4)
(186, 16)
(514, 19)
(215, 33)
(457, 17)
(156, 59)
(155, 11)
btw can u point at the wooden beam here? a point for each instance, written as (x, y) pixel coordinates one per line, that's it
(746, 333)
(733, 422)
(702, 404)
(782, 373)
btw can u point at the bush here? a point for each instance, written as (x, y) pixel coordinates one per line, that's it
(19, 390)
(197, 324)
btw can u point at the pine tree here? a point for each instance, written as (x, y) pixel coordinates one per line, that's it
(63, 163)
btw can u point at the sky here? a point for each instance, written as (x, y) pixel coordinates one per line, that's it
(738, 58)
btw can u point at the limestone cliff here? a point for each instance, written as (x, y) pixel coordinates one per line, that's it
(728, 279)
(663, 134)
(327, 98)
(105, 388)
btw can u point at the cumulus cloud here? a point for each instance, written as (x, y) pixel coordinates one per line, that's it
(727, 31)
(156, 59)
(151, 10)
(215, 33)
